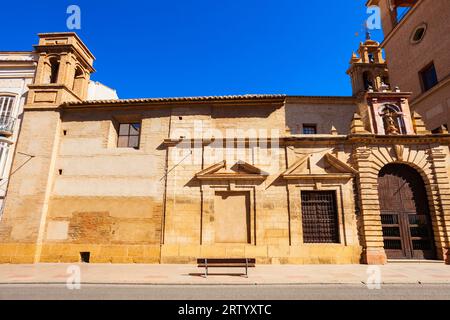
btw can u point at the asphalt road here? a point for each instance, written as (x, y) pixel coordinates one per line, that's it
(260, 292)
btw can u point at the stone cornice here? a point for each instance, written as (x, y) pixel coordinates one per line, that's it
(325, 140)
(324, 176)
(387, 94)
(321, 99)
(402, 139)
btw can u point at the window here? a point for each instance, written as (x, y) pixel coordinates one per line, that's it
(6, 112)
(418, 34)
(428, 77)
(309, 129)
(54, 70)
(319, 217)
(4, 151)
(78, 81)
(367, 78)
(6, 106)
(129, 135)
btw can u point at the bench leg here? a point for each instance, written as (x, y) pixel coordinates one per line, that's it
(206, 271)
(246, 268)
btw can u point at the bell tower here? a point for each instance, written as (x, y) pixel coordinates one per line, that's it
(383, 110)
(62, 75)
(63, 72)
(368, 69)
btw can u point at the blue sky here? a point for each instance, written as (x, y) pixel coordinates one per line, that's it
(172, 48)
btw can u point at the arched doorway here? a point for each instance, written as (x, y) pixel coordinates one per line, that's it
(405, 213)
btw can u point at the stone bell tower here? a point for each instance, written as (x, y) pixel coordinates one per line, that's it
(63, 73)
(384, 110)
(368, 69)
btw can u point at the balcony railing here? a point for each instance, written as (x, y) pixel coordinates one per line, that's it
(7, 125)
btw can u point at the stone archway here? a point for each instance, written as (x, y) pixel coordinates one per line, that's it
(405, 213)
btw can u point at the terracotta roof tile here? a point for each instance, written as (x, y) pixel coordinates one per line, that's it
(179, 99)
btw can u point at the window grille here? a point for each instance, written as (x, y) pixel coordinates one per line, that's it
(319, 217)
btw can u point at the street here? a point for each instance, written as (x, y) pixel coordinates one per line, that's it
(225, 292)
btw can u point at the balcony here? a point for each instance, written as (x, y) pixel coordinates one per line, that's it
(7, 125)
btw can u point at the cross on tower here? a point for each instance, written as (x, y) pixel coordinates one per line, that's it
(366, 28)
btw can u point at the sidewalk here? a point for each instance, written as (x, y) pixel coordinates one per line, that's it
(394, 273)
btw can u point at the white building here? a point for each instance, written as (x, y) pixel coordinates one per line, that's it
(98, 91)
(17, 70)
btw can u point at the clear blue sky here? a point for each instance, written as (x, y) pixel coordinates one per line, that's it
(171, 48)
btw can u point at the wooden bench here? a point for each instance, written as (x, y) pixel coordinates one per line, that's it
(226, 263)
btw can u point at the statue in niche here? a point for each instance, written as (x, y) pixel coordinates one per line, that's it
(390, 122)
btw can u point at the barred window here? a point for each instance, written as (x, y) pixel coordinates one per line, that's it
(6, 114)
(309, 129)
(129, 134)
(6, 106)
(319, 217)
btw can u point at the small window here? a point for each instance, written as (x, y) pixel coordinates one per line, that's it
(129, 134)
(309, 129)
(54, 70)
(6, 106)
(7, 120)
(319, 217)
(78, 81)
(4, 151)
(85, 257)
(367, 78)
(428, 77)
(418, 34)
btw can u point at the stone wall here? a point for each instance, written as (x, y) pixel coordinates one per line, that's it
(107, 200)
(159, 204)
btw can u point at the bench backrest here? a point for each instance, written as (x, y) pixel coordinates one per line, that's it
(251, 261)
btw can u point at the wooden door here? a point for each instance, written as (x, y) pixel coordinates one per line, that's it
(405, 214)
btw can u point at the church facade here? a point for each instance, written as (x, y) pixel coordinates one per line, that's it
(283, 179)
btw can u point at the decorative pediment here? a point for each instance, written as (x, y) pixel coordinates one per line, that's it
(241, 170)
(296, 167)
(339, 165)
(298, 170)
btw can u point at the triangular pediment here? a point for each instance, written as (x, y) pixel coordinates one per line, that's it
(300, 169)
(338, 165)
(240, 170)
(212, 169)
